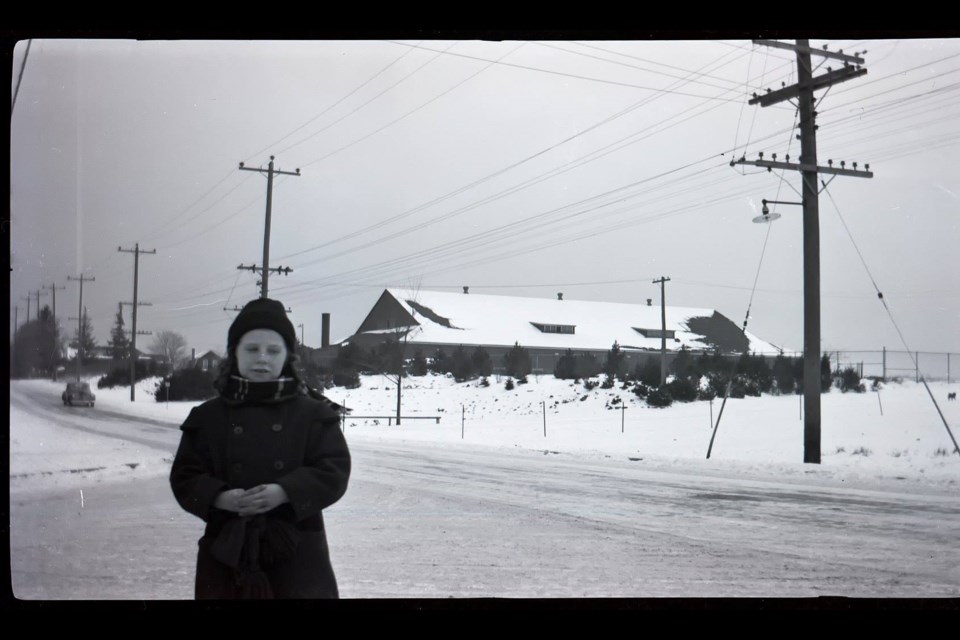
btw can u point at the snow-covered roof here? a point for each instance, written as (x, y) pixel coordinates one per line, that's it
(503, 320)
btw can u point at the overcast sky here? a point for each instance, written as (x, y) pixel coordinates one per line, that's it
(517, 168)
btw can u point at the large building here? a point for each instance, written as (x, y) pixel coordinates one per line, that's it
(546, 327)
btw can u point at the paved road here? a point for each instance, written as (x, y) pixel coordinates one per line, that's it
(461, 521)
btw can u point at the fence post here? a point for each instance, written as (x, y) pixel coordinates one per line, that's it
(884, 364)
(544, 404)
(916, 364)
(463, 418)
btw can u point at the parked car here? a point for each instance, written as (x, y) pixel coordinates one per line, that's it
(78, 393)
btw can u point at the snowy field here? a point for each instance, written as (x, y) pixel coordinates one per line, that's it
(893, 434)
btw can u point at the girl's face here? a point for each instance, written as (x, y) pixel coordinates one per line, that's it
(261, 354)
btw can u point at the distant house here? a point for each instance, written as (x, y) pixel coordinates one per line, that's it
(208, 361)
(547, 327)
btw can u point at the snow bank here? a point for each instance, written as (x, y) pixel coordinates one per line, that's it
(906, 441)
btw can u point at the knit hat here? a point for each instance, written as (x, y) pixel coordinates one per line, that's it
(262, 313)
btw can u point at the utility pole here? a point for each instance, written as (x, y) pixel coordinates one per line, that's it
(803, 91)
(38, 302)
(27, 298)
(663, 328)
(81, 280)
(53, 288)
(301, 333)
(136, 251)
(265, 268)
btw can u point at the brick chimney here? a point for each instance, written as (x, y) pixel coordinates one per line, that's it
(559, 296)
(325, 331)
(466, 289)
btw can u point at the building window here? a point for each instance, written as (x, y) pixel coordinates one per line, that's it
(205, 364)
(554, 328)
(655, 333)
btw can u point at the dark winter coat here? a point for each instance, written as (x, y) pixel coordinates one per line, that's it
(297, 444)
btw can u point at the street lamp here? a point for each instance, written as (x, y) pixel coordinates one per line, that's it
(765, 211)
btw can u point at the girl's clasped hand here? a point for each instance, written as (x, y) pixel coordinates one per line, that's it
(253, 501)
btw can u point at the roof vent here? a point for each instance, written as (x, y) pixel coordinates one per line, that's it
(649, 302)
(466, 289)
(559, 296)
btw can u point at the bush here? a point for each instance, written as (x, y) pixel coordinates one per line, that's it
(587, 365)
(418, 367)
(659, 397)
(682, 389)
(641, 390)
(187, 384)
(706, 393)
(607, 382)
(120, 376)
(509, 385)
(850, 381)
(347, 366)
(649, 373)
(590, 385)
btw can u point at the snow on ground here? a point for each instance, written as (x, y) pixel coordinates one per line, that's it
(893, 434)
(43, 455)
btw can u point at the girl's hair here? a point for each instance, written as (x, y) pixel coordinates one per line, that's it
(228, 367)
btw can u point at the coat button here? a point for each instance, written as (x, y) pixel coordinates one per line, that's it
(237, 467)
(237, 431)
(277, 427)
(278, 465)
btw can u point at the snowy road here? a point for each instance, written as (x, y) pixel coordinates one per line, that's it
(428, 520)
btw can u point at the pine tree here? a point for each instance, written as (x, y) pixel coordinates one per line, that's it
(783, 374)
(517, 361)
(482, 364)
(683, 365)
(83, 338)
(462, 365)
(826, 375)
(615, 358)
(38, 346)
(566, 368)
(119, 342)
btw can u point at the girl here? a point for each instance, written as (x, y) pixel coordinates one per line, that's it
(258, 464)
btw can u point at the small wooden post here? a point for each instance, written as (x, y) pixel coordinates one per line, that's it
(881, 403)
(623, 416)
(463, 418)
(544, 404)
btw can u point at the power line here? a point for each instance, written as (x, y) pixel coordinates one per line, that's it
(407, 114)
(347, 115)
(334, 105)
(578, 77)
(632, 66)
